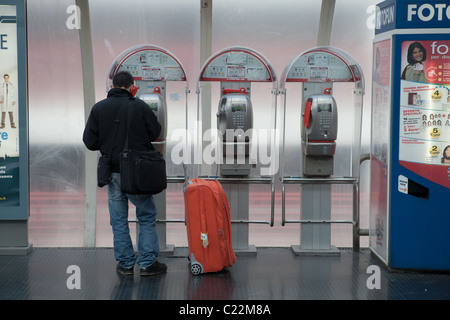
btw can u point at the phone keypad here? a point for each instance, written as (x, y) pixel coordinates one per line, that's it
(325, 123)
(325, 120)
(239, 119)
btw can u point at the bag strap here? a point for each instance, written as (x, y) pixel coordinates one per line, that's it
(129, 114)
(116, 126)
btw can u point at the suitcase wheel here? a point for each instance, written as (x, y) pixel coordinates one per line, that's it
(196, 268)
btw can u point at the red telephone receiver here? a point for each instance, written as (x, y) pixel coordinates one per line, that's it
(307, 116)
(241, 90)
(134, 90)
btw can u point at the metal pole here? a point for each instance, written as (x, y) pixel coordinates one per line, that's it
(205, 53)
(87, 62)
(356, 240)
(326, 22)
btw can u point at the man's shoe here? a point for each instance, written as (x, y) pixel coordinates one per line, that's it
(153, 269)
(125, 271)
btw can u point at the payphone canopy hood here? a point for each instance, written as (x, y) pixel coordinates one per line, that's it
(237, 64)
(148, 63)
(323, 64)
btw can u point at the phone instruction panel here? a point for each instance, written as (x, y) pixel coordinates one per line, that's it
(153, 65)
(319, 66)
(236, 66)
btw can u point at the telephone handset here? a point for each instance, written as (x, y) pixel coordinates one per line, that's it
(319, 130)
(134, 90)
(307, 115)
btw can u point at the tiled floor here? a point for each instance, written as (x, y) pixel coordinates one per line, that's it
(272, 274)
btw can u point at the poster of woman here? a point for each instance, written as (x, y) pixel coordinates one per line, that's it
(425, 108)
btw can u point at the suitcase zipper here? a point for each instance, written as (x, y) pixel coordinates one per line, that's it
(228, 244)
(203, 229)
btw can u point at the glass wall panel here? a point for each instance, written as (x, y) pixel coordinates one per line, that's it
(353, 30)
(173, 25)
(279, 30)
(56, 120)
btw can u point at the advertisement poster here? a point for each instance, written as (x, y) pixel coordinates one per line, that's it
(381, 102)
(9, 106)
(424, 137)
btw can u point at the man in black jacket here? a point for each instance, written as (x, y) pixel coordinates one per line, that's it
(99, 134)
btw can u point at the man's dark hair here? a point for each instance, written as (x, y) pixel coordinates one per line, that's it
(123, 79)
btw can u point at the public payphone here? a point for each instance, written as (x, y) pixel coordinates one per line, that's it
(235, 68)
(235, 122)
(319, 134)
(158, 105)
(317, 69)
(152, 67)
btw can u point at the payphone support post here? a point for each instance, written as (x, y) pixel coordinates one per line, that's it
(317, 69)
(236, 68)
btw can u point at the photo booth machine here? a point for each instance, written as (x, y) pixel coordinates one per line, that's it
(236, 68)
(410, 164)
(317, 69)
(152, 67)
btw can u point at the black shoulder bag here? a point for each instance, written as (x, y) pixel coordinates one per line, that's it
(141, 172)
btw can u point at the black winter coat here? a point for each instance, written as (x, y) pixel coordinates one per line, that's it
(99, 131)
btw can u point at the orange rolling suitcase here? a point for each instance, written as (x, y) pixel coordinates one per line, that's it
(208, 226)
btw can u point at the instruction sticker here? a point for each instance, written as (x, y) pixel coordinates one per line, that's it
(403, 184)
